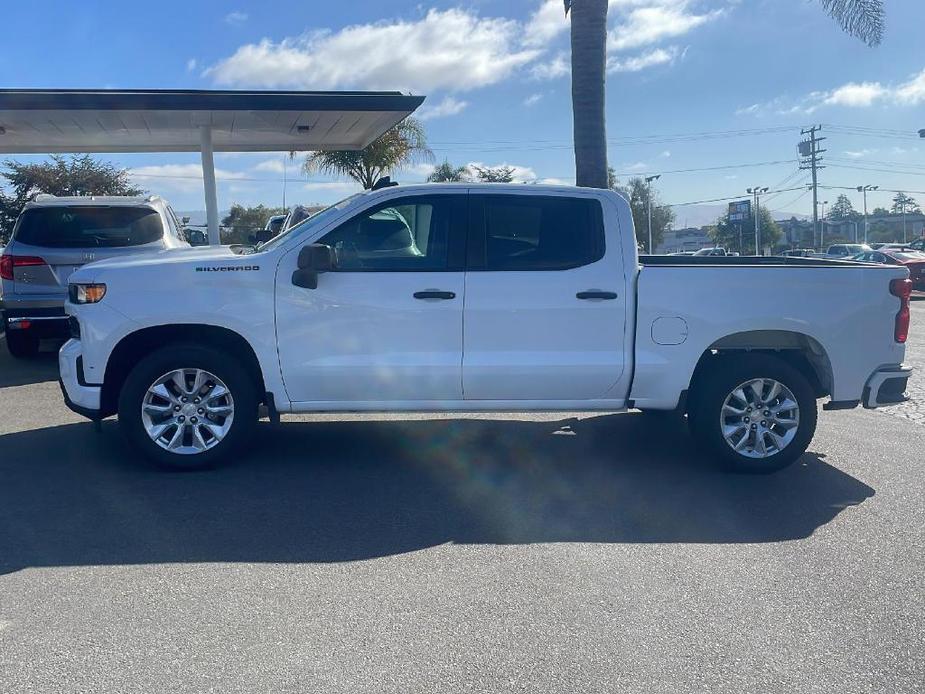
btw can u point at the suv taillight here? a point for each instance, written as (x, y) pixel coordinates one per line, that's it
(902, 289)
(8, 262)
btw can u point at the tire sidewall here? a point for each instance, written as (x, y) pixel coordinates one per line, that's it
(721, 379)
(173, 357)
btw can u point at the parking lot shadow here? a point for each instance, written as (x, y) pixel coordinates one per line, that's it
(24, 372)
(339, 491)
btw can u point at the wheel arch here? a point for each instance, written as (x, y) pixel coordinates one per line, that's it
(801, 351)
(138, 344)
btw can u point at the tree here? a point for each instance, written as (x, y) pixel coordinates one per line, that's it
(728, 234)
(901, 202)
(75, 175)
(860, 18)
(497, 174)
(242, 221)
(447, 173)
(842, 209)
(662, 215)
(589, 64)
(401, 145)
(880, 212)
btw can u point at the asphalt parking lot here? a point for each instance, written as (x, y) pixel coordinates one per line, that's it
(436, 554)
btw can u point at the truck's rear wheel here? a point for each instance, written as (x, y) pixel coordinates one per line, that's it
(22, 343)
(187, 407)
(755, 412)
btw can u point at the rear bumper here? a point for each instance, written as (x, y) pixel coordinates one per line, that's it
(38, 320)
(887, 386)
(79, 396)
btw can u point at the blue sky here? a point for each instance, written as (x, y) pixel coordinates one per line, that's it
(495, 74)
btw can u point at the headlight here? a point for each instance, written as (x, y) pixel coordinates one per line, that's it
(86, 293)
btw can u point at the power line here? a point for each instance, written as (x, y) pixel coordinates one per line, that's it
(730, 197)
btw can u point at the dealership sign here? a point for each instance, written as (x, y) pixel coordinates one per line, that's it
(739, 211)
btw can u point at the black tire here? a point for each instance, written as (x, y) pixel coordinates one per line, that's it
(239, 382)
(720, 379)
(22, 344)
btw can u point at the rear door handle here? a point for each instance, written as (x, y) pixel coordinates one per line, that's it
(431, 294)
(596, 295)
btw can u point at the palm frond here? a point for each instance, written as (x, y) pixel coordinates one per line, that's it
(863, 19)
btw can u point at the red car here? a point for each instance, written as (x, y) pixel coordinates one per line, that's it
(913, 259)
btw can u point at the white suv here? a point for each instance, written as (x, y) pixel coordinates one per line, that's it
(56, 235)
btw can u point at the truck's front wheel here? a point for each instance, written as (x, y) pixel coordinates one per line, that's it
(755, 412)
(187, 406)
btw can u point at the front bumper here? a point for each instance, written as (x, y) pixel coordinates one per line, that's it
(79, 396)
(887, 386)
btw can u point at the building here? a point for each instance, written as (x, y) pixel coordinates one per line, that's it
(686, 239)
(887, 227)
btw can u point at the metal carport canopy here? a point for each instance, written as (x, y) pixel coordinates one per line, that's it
(41, 121)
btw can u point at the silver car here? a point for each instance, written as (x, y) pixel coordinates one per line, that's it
(53, 237)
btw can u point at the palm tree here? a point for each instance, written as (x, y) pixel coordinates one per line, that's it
(399, 146)
(447, 173)
(589, 61)
(860, 18)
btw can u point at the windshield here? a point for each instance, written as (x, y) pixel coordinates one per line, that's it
(907, 255)
(89, 227)
(307, 223)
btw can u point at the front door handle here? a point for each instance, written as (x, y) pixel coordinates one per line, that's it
(432, 294)
(596, 295)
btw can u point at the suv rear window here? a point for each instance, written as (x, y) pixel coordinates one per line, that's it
(89, 227)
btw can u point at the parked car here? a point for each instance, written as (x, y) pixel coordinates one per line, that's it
(840, 251)
(911, 259)
(799, 253)
(53, 237)
(362, 307)
(711, 252)
(682, 253)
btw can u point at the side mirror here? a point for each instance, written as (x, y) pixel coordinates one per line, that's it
(313, 260)
(185, 220)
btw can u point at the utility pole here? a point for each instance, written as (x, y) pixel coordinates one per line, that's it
(649, 180)
(822, 226)
(756, 192)
(811, 158)
(903, 203)
(864, 189)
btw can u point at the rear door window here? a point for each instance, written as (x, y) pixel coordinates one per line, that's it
(89, 227)
(532, 232)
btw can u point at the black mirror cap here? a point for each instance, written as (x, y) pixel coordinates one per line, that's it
(317, 257)
(305, 278)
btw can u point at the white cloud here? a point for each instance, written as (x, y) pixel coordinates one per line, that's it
(638, 166)
(859, 153)
(665, 154)
(658, 56)
(559, 66)
(422, 169)
(453, 49)
(853, 94)
(181, 177)
(236, 17)
(849, 95)
(533, 99)
(554, 181)
(546, 23)
(521, 174)
(650, 22)
(191, 64)
(276, 166)
(449, 106)
(339, 187)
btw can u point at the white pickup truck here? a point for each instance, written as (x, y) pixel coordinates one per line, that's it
(475, 298)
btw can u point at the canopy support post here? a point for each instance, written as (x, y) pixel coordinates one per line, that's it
(208, 182)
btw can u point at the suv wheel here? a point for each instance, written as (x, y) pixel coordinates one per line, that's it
(22, 343)
(755, 412)
(187, 407)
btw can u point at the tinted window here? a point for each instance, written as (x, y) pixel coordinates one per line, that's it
(407, 234)
(89, 227)
(535, 233)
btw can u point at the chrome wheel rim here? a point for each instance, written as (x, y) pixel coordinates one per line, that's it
(187, 411)
(759, 418)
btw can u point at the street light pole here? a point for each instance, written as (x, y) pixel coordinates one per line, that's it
(822, 226)
(649, 180)
(864, 189)
(756, 192)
